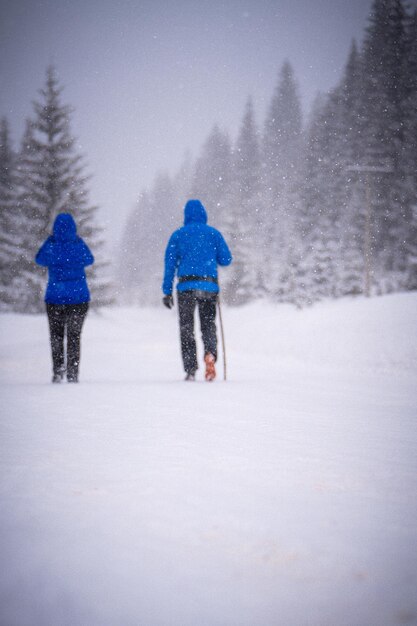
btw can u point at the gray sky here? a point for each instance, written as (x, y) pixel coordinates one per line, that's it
(149, 79)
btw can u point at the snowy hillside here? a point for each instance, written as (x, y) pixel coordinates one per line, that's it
(285, 496)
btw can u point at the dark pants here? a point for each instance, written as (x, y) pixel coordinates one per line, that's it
(206, 303)
(66, 319)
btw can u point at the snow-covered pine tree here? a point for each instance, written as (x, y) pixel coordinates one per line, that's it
(350, 181)
(183, 180)
(411, 281)
(29, 280)
(411, 149)
(410, 132)
(314, 187)
(148, 228)
(245, 229)
(320, 237)
(282, 146)
(353, 113)
(385, 53)
(324, 250)
(167, 216)
(9, 219)
(212, 183)
(134, 253)
(51, 179)
(212, 176)
(351, 256)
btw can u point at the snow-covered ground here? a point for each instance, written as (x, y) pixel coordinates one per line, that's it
(285, 496)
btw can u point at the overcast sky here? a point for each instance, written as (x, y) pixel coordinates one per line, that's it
(149, 79)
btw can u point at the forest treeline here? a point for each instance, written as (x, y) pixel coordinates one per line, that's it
(312, 209)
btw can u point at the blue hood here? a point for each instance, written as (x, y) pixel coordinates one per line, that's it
(194, 213)
(65, 228)
(65, 255)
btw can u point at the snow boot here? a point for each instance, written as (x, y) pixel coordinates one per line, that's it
(72, 374)
(58, 376)
(209, 360)
(190, 376)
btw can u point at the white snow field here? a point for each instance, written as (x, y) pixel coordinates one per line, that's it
(285, 496)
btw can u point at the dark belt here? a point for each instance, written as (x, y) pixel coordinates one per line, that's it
(188, 279)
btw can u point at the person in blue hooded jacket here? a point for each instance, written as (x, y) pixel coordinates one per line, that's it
(193, 253)
(67, 295)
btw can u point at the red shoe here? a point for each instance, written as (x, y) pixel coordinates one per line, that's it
(209, 360)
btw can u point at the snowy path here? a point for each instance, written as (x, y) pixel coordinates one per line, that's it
(286, 496)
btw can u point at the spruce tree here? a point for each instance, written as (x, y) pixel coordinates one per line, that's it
(134, 254)
(244, 229)
(281, 151)
(353, 114)
(411, 150)
(29, 280)
(212, 176)
(385, 90)
(349, 183)
(149, 226)
(411, 102)
(51, 180)
(317, 215)
(183, 180)
(167, 216)
(282, 131)
(385, 49)
(411, 280)
(10, 230)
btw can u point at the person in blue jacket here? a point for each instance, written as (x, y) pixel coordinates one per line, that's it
(193, 253)
(67, 295)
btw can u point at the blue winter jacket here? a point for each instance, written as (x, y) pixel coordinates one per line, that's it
(65, 255)
(195, 250)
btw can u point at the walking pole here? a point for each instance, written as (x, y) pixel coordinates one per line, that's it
(222, 336)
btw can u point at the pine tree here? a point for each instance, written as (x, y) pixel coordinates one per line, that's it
(317, 224)
(212, 176)
(149, 226)
(167, 216)
(281, 150)
(51, 180)
(9, 219)
(29, 280)
(183, 180)
(314, 187)
(282, 131)
(352, 252)
(385, 49)
(411, 150)
(353, 114)
(323, 260)
(410, 131)
(385, 91)
(135, 250)
(348, 181)
(244, 229)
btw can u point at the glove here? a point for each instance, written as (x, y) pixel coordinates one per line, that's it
(168, 301)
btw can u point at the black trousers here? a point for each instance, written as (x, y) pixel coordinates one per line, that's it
(66, 319)
(206, 304)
